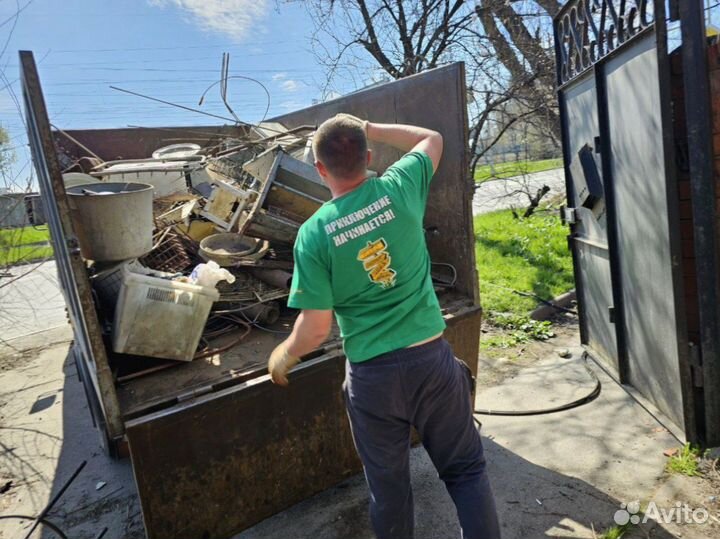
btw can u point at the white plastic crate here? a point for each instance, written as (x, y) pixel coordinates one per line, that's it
(160, 318)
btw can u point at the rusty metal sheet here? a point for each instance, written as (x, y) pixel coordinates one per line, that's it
(220, 463)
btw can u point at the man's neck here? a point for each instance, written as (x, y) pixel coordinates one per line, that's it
(339, 188)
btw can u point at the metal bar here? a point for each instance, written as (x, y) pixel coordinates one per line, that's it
(612, 224)
(70, 265)
(54, 500)
(591, 243)
(690, 405)
(469, 192)
(80, 144)
(183, 107)
(703, 195)
(674, 14)
(570, 196)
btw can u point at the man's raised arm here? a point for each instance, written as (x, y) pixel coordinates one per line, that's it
(408, 138)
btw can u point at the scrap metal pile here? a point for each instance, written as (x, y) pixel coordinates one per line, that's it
(206, 250)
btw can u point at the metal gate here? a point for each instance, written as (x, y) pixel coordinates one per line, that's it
(613, 80)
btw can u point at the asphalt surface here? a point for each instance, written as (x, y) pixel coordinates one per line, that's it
(511, 192)
(30, 300)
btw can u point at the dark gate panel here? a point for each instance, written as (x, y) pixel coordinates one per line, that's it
(589, 232)
(638, 170)
(613, 79)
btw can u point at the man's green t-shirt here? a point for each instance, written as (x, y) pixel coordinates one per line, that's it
(363, 255)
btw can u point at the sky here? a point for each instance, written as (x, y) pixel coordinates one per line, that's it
(169, 49)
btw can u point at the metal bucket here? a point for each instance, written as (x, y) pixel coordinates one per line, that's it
(228, 248)
(113, 221)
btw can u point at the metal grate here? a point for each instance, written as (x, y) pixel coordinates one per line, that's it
(588, 30)
(169, 254)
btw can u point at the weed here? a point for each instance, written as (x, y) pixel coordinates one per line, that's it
(519, 330)
(615, 532)
(684, 461)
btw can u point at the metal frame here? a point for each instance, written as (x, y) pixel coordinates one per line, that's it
(612, 227)
(705, 218)
(89, 346)
(570, 195)
(689, 403)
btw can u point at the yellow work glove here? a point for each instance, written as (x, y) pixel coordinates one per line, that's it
(281, 361)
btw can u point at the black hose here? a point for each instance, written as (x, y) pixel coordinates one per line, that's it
(43, 521)
(570, 405)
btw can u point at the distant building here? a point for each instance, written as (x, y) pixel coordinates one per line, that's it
(20, 209)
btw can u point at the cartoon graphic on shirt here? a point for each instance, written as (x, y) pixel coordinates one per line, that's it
(376, 261)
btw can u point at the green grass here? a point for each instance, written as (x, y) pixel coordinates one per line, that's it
(23, 236)
(17, 245)
(615, 532)
(528, 255)
(514, 168)
(24, 254)
(685, 461)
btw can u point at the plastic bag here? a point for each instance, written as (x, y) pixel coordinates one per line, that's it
(210, 275)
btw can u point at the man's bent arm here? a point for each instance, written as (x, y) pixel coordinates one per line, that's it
(311, 329)
(408, 138)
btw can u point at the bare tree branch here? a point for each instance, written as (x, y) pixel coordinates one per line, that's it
(504, 44)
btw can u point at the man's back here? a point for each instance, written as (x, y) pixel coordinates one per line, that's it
(364, 255)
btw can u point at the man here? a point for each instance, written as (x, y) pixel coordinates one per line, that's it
(363, 256)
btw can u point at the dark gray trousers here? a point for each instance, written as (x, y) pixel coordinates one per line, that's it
(424, 387)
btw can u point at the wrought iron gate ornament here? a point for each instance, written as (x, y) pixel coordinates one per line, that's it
(588, 30)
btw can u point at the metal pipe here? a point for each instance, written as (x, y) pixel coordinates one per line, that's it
(71, 139)
(263, 313)
(54, 500)
(172, 104)
(274, 277)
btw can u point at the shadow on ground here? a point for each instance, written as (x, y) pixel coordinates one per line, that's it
(550, 495)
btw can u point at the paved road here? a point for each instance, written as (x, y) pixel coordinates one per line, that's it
(31, 303)
(501, 194)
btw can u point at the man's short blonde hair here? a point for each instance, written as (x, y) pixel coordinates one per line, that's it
(340, 144)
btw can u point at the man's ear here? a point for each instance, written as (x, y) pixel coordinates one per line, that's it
(321, 169)
(369, 156)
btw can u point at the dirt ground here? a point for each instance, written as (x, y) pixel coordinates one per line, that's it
(497, 364)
